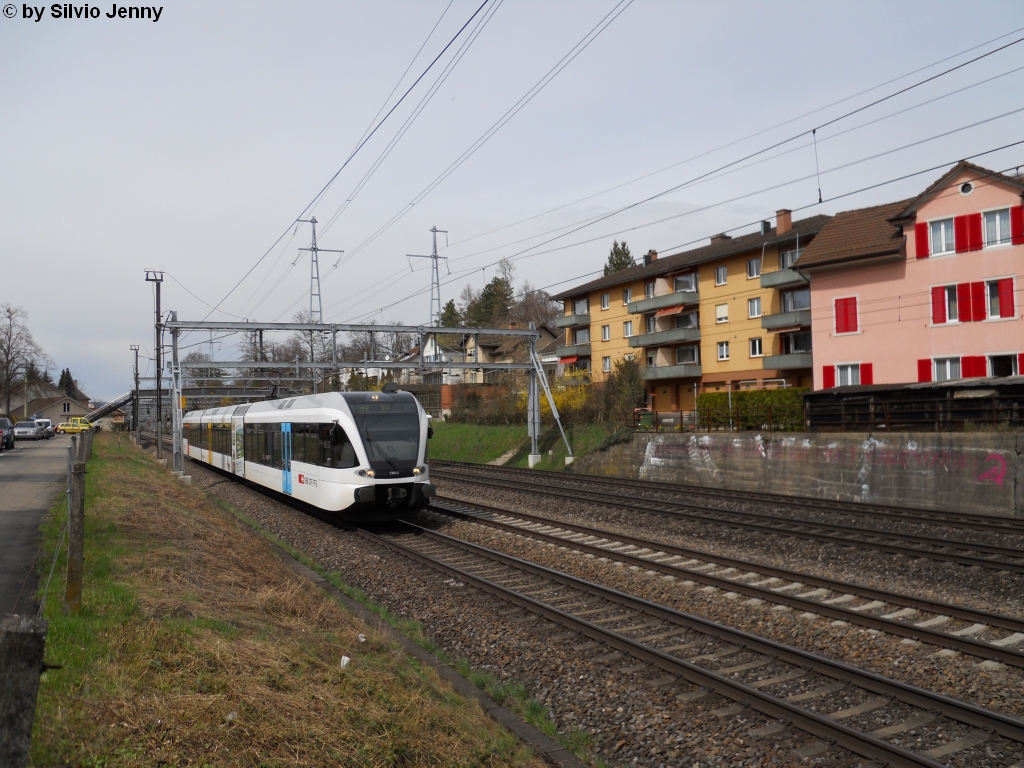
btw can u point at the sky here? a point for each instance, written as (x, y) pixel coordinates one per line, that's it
(193, 143)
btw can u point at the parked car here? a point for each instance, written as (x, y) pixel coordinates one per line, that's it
(27, 430)
(47, 426)
(6, 433)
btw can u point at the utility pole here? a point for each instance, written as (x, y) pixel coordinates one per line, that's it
(157, 277)
(435, 283)
(135, 400)
(316, 306)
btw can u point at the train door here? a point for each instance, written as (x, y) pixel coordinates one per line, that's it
(238, 446)
(286, 458)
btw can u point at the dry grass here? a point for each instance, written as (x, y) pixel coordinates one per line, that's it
(198, 647)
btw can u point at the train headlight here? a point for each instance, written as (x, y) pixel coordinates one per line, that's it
(366, 473)
(419, 470)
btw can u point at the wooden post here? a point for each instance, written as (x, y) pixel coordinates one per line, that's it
(76, 543)
(22, 642)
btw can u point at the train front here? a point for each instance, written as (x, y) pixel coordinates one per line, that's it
(393, 429)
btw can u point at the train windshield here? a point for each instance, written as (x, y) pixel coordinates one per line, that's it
(390, 432)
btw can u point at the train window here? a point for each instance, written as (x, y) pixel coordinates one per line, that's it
(336, 449)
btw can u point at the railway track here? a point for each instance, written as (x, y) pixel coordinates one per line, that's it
(875, 511)
(787, 685)
(981, 634)
(944, 550)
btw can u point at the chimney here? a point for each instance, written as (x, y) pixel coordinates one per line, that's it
(720, 238)
(650, 256)
(783, 221)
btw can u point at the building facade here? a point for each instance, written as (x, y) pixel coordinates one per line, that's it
(926, 289)
(732, 314)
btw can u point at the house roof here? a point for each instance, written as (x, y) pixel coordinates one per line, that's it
(717, 250)
(859, 234)
(979, 173)
(42, 403)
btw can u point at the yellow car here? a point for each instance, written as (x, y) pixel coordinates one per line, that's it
(72, 428)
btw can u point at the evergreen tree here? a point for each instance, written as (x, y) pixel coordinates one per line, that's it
(450, 315)
(66, 382)
(619, 258)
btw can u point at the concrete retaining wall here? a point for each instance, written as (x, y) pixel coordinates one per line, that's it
(976, 473)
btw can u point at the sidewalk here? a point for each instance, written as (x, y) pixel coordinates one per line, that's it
(31, 477)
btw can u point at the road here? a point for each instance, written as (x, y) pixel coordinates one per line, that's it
(31, 478)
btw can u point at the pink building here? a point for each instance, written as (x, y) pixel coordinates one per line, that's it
(926, 289)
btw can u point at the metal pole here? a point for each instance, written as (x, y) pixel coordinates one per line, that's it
(135, 398)
(76, 539)
(177, 462)
(157, 277)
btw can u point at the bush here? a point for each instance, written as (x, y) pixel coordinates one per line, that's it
(781, 409)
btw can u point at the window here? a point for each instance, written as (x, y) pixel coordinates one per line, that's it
(756, 350)
(754, 307)
(581, 307)
(847, 375)
(689, 320)
(999, 295)
(722, 313)
(721, 275)
(795, 343)
(846, 315)
(606, 301)
(606, 364)
(723, 350)
(753, 268)
(627, 329)
(997, 227)
(947, 368)
(649, 290)
(581, 336)
(606, 333)
(1003, 365)
(650, 360)
(795, 300)
(942, 236)
(945, 307)
(652, 325)
(688, 355)
(788, 258)
(627, 295)
(67, 407)
(685, 283)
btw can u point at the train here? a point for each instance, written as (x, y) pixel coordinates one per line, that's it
(362, 455)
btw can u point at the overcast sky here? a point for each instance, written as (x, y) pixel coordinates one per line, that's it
(191, 144)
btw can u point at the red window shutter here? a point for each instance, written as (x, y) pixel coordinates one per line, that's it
(963, 302)
(867, 373)
(938, 304)
(851, 315)
(924, 370)
(960, 233)
(974, 240)
(840, 310)
(1017, 225)
(828, 377)
(973, 367)
(1020, 364)
(921, 240)
(1006, 308)
(978, 302)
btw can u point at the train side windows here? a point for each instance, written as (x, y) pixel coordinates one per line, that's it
(275, 446)
(342, 452)
(298, 442)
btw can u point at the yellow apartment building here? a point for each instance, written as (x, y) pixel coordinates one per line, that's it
(733, 314)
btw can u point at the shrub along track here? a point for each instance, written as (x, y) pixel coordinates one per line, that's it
(664, 725)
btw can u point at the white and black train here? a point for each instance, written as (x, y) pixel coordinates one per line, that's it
(361, 454)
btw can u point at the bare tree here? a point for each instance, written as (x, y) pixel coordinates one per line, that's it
(202, 377)
(18, 349)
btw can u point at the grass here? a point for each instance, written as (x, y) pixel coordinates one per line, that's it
(196, 646)
(584, 439)
(475, 443)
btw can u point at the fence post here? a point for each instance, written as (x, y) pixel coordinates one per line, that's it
(22, 642)
(76, 543)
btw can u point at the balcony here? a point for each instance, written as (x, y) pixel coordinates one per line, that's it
(788, 362)
(579, 350)
(665, 337)
(661, 302)
(798, 319)
(782, 278)
(657, 372)
(571, 321)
